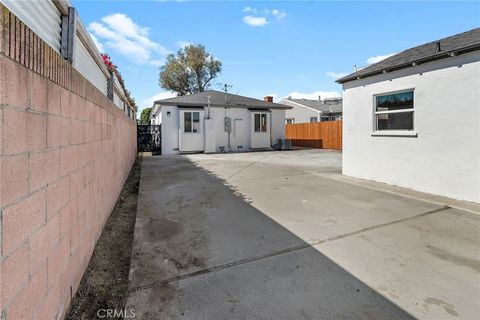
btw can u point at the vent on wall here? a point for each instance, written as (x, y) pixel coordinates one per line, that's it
(239, 147)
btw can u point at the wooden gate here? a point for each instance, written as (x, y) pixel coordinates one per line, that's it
(322, 135)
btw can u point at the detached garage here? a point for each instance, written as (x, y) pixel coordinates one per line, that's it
(413, 119)
(214, 121)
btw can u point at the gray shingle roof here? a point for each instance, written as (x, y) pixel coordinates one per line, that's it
(325, 106)
(217, 99)
(456, 44)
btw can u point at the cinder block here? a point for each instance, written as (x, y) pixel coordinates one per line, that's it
(53, 98)
(89, 173)
(29, 299)
(57, 262)
(57, 131)
(58, 194)
(77, 131)
(68, 159)
(44, 242)
(77, 182)
(66, 103)
(48, 309)
(68, 217)
(44, 168)
(20, 220)
(23, 131)
(14, 178)
(39, 96)
(14, 274)
(14, 84)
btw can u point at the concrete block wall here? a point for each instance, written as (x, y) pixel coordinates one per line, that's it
(65, 153)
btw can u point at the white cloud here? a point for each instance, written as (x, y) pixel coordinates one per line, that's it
(314, 95)
(376, 59)
(147, 103)
(97, 43)
(255, 21)
(259, 18)
(120, 33)
(250, 10)
(279, 14)
(335, 75)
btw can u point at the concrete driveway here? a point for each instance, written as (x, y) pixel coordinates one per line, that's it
(283, 235)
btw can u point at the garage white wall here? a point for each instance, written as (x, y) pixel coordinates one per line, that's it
(445, 157)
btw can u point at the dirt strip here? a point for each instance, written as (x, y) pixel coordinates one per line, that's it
(105, 282)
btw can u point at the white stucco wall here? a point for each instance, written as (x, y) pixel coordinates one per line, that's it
(278, 125)
(300, 114)
(240, 136)
(170, 127)
(445, 157)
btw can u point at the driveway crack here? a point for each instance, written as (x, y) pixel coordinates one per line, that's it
(279, 252)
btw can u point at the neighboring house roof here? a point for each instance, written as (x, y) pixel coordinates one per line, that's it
(454, 45)
(333, 105)
(217, 99)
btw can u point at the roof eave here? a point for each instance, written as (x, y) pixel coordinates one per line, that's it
(413, 63)
(189, 104)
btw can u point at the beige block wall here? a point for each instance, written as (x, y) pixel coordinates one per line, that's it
(65, 152)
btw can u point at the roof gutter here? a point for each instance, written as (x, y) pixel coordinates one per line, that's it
(413, 63)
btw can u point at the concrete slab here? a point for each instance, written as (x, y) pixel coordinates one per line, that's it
(429, 266)
(302, 284)
(244, 236)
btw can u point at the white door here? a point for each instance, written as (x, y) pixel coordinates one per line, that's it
(260, 130)
(191, 130)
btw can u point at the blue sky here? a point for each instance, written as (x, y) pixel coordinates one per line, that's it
(277, 47)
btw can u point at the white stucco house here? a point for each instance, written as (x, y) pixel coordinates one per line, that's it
(214, 121)
(155, 115)
(307, 110)
(413, 119)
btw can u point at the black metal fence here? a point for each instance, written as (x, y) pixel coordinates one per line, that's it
(149, 138)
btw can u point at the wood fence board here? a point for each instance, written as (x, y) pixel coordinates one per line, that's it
(324, 134)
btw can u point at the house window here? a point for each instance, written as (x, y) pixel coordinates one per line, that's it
(313, 119)
(191, 122)
(260, 122)
(394, 111)
(290, 120)
(325, 118)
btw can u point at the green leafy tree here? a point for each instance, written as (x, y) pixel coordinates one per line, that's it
(190, 70)
(145, 116)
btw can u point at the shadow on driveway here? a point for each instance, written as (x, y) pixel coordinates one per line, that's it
(202, 252)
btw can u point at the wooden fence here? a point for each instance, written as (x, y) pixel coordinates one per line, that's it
(323, 135)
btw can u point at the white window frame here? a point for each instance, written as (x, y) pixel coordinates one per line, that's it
(191, 123)
(396, 132)
(290, 120)
(315, 119)
(261, 115)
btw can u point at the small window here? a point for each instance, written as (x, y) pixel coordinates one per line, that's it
(196, 121)
(313, 119)
(325, 118)
(290, 120)
(394, 111)
(191, 122)
(260, 122)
